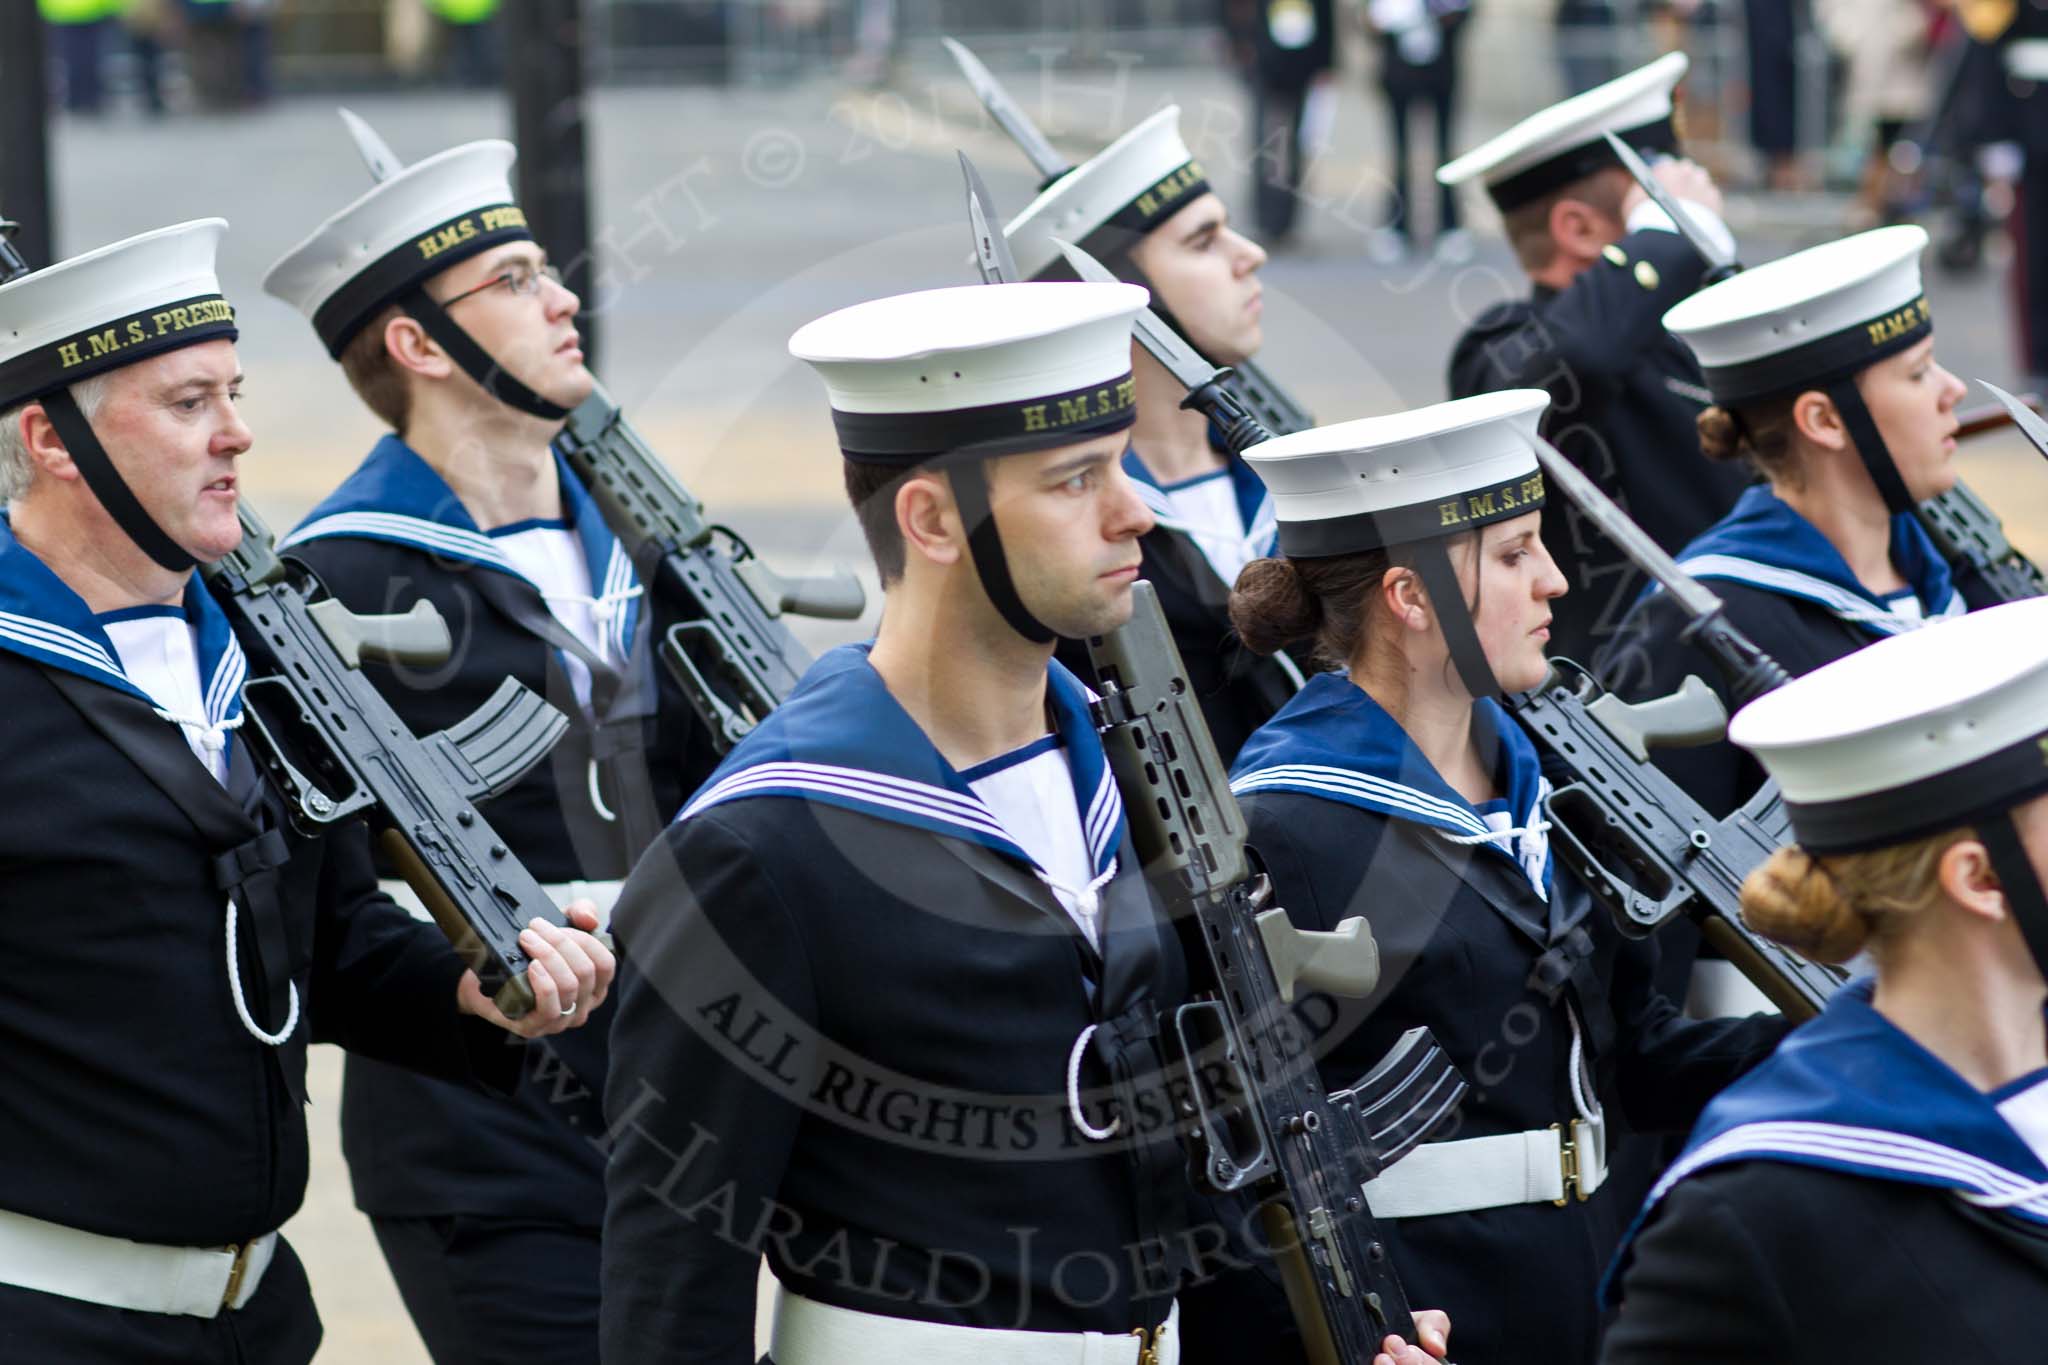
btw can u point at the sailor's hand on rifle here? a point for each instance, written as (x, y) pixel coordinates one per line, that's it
(571, 974)
(1432, 1330)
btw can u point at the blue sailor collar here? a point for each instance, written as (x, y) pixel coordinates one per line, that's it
(41, 618)
(1764, 543)
(397, 497)
(1849, 1091)
(1254, 503)
(842, 740)
(1332, 740)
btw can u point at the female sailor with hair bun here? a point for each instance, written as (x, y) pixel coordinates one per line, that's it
(1823, 373)
(1399, 789)
(1878, 1190)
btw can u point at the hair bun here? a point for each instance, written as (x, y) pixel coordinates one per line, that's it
(1794, 900)
(1720, 435)
(1271, 608)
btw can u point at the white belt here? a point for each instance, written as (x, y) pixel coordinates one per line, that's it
(602, 894)
(198, 1282)
(807, 1332)
(1493, 1172)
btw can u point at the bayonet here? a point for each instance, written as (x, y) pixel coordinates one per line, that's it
(1209, 390)
(731, 653)
(376, 152)
(991, 248)
(1749, 671)
(1254, 390)
(2023, 416)
(1720, 264)
(1008, 116)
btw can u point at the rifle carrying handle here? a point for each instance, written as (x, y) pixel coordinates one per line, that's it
(1635, 914)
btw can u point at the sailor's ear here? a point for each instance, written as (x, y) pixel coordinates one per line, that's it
(413, 351)
(929, 519)
(1815, 418)
(46, 450)
(1404, 597)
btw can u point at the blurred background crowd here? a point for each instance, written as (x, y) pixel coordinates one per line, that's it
(1899, 103)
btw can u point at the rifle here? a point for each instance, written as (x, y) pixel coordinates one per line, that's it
(1256, 392)
(1262, 1125)
(1637, 840)
(733, 656)
(1267, 1129)
(333, 748)
(1962, 525)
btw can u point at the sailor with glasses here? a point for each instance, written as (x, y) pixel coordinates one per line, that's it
(452, 327)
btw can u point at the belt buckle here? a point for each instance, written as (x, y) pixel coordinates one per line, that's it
(1568, 1166)
(1148, 1350)
(236, 1272)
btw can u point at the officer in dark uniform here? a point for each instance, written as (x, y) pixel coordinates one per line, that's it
(488, 1214)
(1878, 1190)
(177, 942)
(1401, 791)
(1606, 264)
(1143, 207)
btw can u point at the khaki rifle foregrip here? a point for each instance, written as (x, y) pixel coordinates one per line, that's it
(513, 995)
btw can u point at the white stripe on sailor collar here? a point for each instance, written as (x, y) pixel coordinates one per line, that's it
(431, 536)
(1872, 1151)
(76, 652)
(896, 798)
(1532, 845)
(1838, 601)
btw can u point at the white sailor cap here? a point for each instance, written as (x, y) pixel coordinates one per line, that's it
(977, 370)
(1408, 476)
(112, 307)
(1808, 319)
(422, 220)
(1110, 201)
(1916, 734)
(1557, 146)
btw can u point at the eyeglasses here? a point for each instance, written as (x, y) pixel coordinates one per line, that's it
(522, 279)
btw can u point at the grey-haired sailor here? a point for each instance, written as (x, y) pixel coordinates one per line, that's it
(1824, 376)
(893, 982)
(1605, 264)
(452, 328)
(1401, 790)
(1878, 1191)
(1144, 208)
(153, 1040)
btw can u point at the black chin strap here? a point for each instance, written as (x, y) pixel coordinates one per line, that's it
(1877, 457)
(970, 492)
(1433, 563)
(475, 361)
(107, 485)
(2022, 888)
